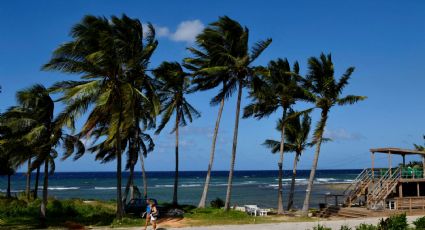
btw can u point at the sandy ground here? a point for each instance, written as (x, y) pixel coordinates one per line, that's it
(334, 224)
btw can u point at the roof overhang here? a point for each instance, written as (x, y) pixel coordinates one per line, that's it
(397, 151)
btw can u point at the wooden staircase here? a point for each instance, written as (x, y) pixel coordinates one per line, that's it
(342, 212)
(358, 187)
(382, 188)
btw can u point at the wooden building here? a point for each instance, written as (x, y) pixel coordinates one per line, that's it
(394, 188)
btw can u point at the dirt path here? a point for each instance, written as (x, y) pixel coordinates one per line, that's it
(334, 224)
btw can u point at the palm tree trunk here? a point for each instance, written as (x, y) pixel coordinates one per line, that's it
(45, 186)
(119, 165)
(119, 182)
(208, 178)
(280, 166)
(176, 174)
(314, 166)
(37, 176)
(8, 194)
(145, 183)
(129, 184)
(235, 142)
(292, 189)
(131, 178)
(28, 184)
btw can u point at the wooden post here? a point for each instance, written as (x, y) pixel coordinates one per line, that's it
(417, 188)
(373, 165)
(404, 160)
(400, 190)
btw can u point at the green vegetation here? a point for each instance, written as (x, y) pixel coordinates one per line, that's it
(217, 203)
(396, 222)
(16, 213)
(321, 227)
(344, 227)
(419, 223)
(366, 227)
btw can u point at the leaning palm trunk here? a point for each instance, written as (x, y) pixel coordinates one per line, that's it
(37, 176)
(314, 166)
(45, 186)
(28, 182)
(130, 184)
(145, 183)
(292, 189)
(208, 177)
(280, 165)
(235, 142)
(176, 174)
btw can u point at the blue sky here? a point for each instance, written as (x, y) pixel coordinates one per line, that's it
(384, 40)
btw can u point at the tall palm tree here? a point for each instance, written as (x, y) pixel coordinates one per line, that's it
(203, 65)
(174, 84)
(105, 53)
(226, 42)
(327, 90)
(279, 89)
(296, 140)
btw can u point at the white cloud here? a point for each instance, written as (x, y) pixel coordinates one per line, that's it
(162, 31)
(342, 135)
(186, 31)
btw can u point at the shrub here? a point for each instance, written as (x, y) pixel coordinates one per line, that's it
(366, 227)
(217, 203)
(344, 227)
(321, 227)
(420, 223)
(396, 222)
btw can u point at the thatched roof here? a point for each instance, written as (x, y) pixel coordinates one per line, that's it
(397, 151)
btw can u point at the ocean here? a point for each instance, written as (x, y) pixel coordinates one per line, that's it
(249, 187)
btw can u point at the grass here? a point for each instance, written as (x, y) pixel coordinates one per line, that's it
(18, 213)
(213, 216)
(15, 213)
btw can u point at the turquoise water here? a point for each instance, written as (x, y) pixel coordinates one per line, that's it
(249, 187)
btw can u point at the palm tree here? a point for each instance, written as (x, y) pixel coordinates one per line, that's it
(327, 90)
(14, 124)
(226, 42)
(280, 88)
(105, 52)
(33, 127)
(419, 147)
(174, 84)
(206, 77)
(296, 136)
